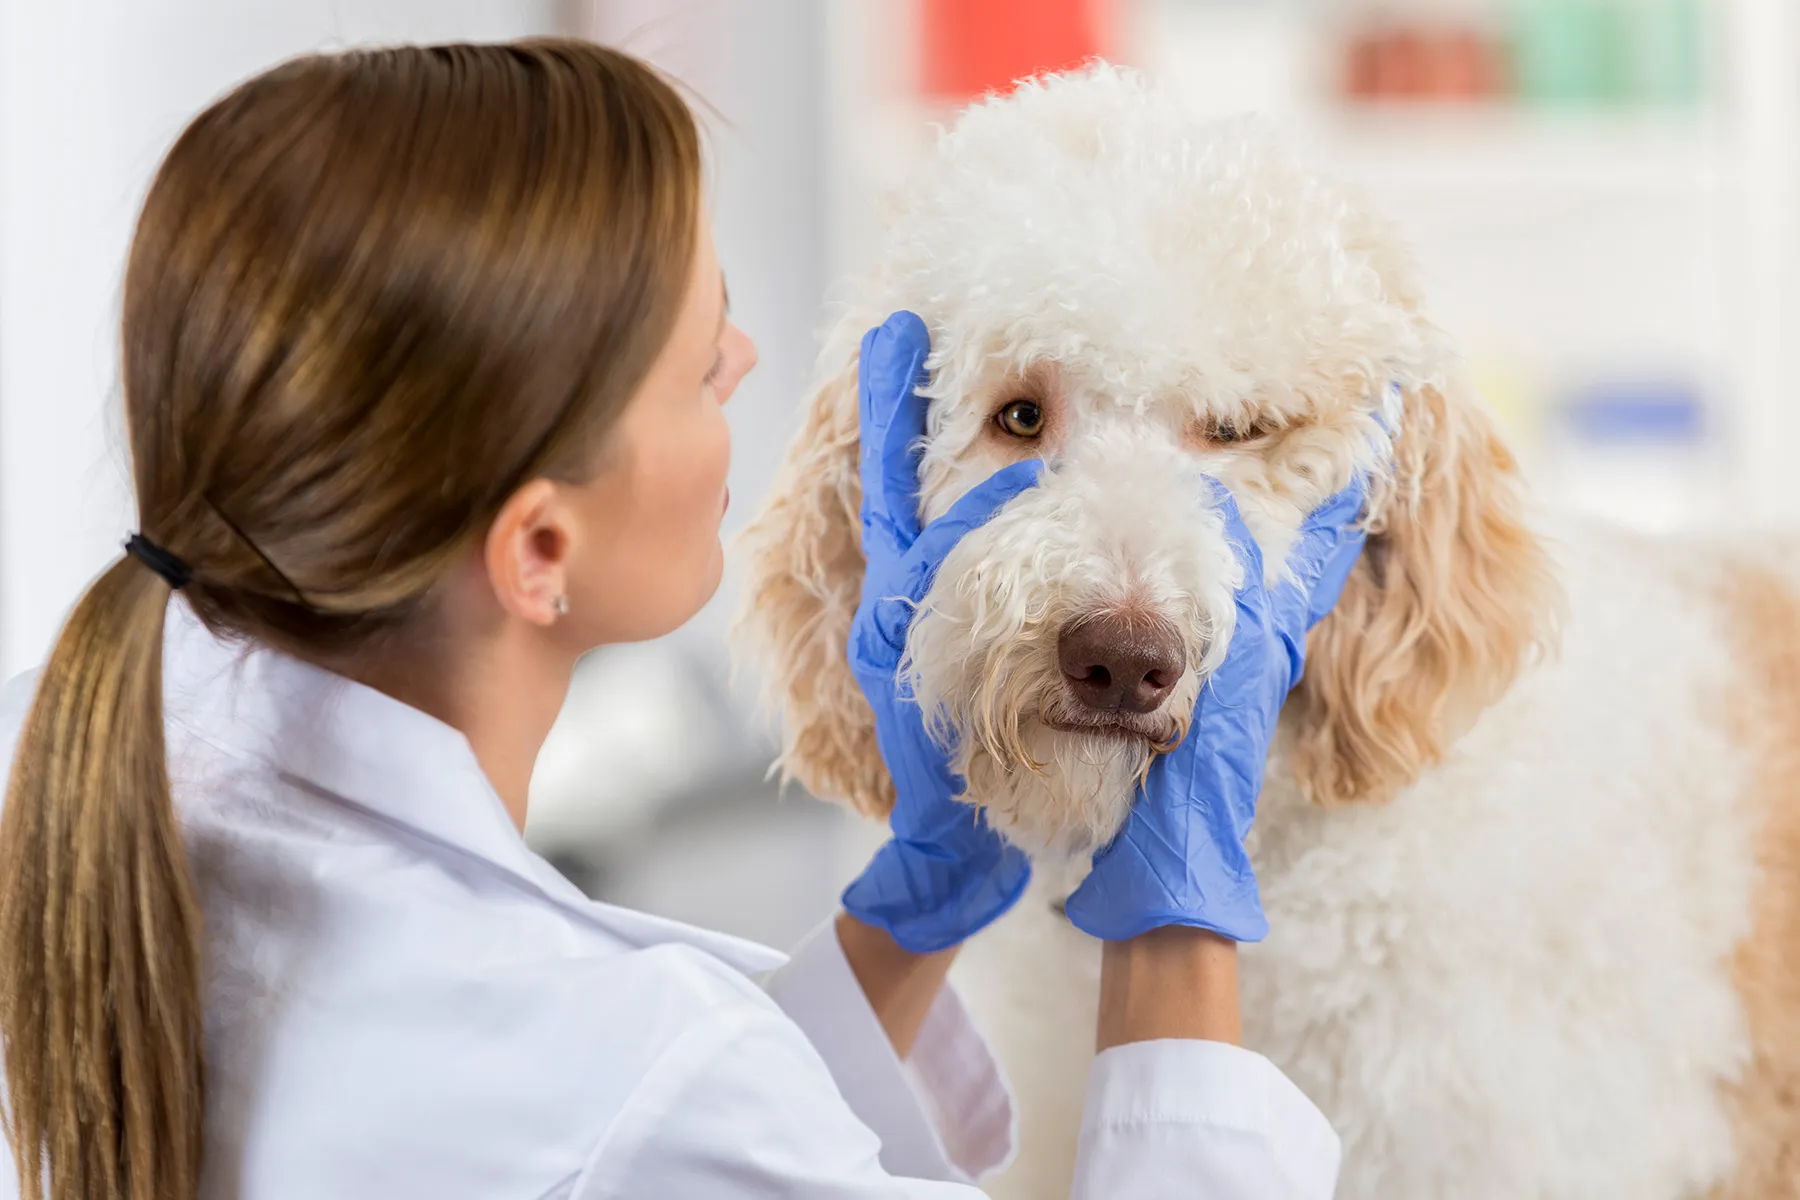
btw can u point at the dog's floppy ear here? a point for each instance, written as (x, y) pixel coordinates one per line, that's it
(805, 568)
(1452, 596)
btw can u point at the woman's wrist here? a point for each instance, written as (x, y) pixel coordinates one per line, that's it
(900, 986)
(1172, 982)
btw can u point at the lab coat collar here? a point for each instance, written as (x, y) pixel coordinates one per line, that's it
(372, 754)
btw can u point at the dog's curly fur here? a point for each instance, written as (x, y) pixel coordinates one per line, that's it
(1182, 297)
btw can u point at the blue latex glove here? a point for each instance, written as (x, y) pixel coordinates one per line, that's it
(945, 874)
(1180, 859)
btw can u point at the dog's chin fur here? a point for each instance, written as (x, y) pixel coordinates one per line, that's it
(1067, 794)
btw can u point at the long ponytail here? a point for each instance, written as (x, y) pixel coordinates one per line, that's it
(370, 295)
(99, 928)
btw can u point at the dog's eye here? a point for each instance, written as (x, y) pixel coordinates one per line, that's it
(1223, 431)
(1022, 418)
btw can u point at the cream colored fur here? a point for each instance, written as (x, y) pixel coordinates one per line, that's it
(1505, 887)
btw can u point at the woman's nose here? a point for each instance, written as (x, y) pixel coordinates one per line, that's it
(741, 355)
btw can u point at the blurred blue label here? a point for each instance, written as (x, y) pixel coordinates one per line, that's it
(1637, 411)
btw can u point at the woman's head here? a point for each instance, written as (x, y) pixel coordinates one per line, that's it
(372, 296)
(391, 318)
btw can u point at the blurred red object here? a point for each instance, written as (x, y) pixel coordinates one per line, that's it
(1422, 64)
(1466, 67)
(971, 47)
(1403, 70)
(1362, 67)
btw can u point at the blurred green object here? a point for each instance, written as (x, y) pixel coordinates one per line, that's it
(1666, 52)
(1583, 53)
(1565, 52)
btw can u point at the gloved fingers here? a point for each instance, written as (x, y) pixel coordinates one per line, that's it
(1342, 509)
(974, 508)
(1333, 574)
(891, 417)
(1138, 887)
(889, 619)
(1325, 531)
(1332, 536)
(891, 615)
(1237, 533)
(1336, 512)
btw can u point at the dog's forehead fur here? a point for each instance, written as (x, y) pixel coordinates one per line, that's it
(1093, 220)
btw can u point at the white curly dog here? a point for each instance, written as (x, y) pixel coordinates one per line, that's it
(1530, 845)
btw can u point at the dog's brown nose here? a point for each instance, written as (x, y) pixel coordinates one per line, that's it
(1119, 663)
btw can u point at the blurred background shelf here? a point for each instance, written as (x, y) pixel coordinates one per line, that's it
(1601, 195)
(1503, 151)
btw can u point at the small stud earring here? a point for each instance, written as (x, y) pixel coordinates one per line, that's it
(561, 605)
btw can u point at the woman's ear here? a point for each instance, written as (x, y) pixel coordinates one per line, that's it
(526, 553)
(1452, 597)
(805, 568)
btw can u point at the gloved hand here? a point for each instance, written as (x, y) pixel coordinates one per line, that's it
(1180, 858)
(946, 873)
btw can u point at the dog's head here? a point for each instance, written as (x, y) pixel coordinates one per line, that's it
(1142, 298)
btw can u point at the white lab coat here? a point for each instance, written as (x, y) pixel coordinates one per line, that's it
(402, 1000)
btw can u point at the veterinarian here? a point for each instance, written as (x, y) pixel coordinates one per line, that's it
(425, 353)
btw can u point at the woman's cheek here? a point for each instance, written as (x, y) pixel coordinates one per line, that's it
(698, 460)
(713, 498)
(717, 457)
(724, 463)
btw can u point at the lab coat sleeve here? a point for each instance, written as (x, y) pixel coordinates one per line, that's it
(1168, 1118)
(1187, 1119)
(945, 1113)
(742, 1106)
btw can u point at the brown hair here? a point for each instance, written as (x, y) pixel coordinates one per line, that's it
(370, 296)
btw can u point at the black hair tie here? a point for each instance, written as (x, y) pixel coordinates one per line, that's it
(174, 572)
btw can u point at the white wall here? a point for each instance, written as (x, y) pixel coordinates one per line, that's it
(91, 92)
